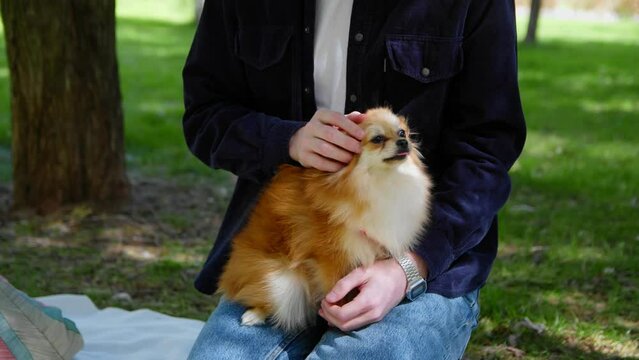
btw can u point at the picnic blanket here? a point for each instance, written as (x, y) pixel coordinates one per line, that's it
(114, 333)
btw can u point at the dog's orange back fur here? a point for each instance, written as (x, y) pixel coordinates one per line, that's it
(297, 230)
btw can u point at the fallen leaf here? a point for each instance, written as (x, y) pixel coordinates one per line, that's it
(526, 323)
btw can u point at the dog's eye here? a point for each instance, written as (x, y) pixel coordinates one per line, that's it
(401, 133)
(378, 139)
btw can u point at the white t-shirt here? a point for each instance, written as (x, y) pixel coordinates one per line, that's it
(332, 24)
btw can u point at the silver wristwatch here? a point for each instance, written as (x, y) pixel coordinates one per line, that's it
(416, 283)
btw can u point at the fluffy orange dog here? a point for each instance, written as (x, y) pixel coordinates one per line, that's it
(311, 228)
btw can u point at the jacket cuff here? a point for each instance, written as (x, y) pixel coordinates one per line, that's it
(276, 148)
(436, 251)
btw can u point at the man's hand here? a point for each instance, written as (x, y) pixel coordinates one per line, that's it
(381, 287)
(328, 141)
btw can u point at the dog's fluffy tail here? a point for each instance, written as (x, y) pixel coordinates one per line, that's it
(292, 305)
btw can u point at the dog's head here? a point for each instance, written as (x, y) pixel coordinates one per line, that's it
(387, 141)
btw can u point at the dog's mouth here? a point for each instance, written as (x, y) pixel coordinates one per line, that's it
(398, 157)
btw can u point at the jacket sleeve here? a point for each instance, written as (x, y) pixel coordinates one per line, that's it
(483, 136)
(220, 127)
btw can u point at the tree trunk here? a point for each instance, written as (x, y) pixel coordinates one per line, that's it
(199, 4)
(67, 127)
(531, 34)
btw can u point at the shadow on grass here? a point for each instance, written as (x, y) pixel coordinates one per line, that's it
(586, 90)
(583, 318)
(575, 191)
(574, 274)
(152, 249)
(96, 270)
(539, 346)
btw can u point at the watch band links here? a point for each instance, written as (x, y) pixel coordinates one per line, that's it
(416, 285)
(412, 274)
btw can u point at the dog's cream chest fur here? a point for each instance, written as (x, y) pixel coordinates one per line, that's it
(397, 212)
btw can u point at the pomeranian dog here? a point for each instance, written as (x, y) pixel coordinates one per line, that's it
(311, 228)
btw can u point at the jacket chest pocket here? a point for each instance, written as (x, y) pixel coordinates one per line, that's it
(265, 52)
(419, 63)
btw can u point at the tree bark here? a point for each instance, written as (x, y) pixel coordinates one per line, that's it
(531, 34)
(67, 125)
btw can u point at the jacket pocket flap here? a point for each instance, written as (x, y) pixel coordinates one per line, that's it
(425, 58)
(262, 47)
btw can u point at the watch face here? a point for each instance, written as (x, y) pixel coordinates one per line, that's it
(417, 290)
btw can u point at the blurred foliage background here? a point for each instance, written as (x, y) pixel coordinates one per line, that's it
(619, 7)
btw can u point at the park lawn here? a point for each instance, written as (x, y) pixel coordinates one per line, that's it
(569, 235)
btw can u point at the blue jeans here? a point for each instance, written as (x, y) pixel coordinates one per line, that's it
(431, 327)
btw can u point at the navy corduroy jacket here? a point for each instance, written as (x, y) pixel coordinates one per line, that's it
(449, 66)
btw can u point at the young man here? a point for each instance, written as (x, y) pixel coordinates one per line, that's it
(268, 82)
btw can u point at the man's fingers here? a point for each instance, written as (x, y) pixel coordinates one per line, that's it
(344, 314)
(331, 151)
(362, 303)
(349, 282)
(327, 313)
(334, 136)
(321, 163)
(361, 318)
(356, 117)
(367, 318)
(342, 122)
(327, 142)
(328, 317)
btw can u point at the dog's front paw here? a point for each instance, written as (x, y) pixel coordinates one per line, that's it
(253, 317)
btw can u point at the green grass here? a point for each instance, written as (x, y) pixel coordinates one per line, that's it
(166, 11)
(160, 280)
(569, 235)
(153, 54)
(574, 201)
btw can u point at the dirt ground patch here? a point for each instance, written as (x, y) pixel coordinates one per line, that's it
(147, 254)
(159, 210)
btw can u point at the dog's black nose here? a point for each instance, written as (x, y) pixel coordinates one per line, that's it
(402, 144)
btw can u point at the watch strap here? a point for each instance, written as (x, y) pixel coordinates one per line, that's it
(412, 273)
(416, 285)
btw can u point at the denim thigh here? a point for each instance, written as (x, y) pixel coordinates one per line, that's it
(431, 327)
(223, 337)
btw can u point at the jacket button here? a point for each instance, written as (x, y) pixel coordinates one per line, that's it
(307, 90)
(425, 71)
(353, 98)
(307, 29)
(359, 37)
